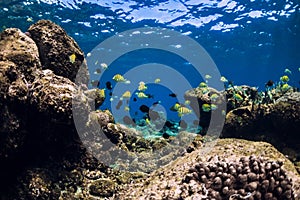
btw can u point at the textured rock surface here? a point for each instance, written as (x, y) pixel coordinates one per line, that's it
(183, 178)
(55, 48)
(277, 123)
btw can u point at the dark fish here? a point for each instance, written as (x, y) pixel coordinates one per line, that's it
(169, 124)
(108, 85)
(230, 83)
(120, 103)
(98, 71)
(95, 83)
(110, 94)
(155, 103)
(173, 95)
(134, 99)
(144, 108)
(270, 83)
(150, 96)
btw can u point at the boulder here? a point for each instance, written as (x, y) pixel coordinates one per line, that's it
(58, 51)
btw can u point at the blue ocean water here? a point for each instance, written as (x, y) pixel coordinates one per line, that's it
(250, 41)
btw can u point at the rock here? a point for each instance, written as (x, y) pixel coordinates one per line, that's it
(103, 188)
(17, 47)
(55, 48)
(228, 153)
(275, 123)
(205, 96)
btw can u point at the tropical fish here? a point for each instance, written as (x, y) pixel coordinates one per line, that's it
(202, 85)
(175, 107)
(173, 95)
(223, 112)
(270, 83)
(147, 121)
(108, 85)
(111, 99)
(120, 103)
(29, 19)
(134, 99)
(206, 107)
(88, 54)
(183, 111)
(214, 97)
(104, 66)
(187, 102)
(120, 78)
(287, 71)
(223, 79)
(157, 80)
(285, 87)
(126, 108)
(142, 95)
(126, 94)
(98, 71)
(237, 97)
(142, 86)
(213, 106)
(207, 76)
(72, 58)
(144, 108)
(155, 103)
(284, 78)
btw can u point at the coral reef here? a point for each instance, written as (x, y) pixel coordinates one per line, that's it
(42, 156)
(233, 169)
(55, 48)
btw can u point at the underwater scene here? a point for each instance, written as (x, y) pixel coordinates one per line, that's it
(150, 99)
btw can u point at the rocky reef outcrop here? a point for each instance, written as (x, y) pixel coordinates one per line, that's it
(233, 169)
(55, 48)
(43, 157)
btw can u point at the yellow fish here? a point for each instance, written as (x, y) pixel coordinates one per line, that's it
(126, 108)
(118, 78)
(175, 107)
(214, 97)
(126, 94)
(72, 58)
(284, 78)
(147, 121)
(157, 80)
(142, 86)
(187, 102)
(142, 95)
(206, 107)
(183, 111)
(223, 79)
(203, 85)
(238, 97)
